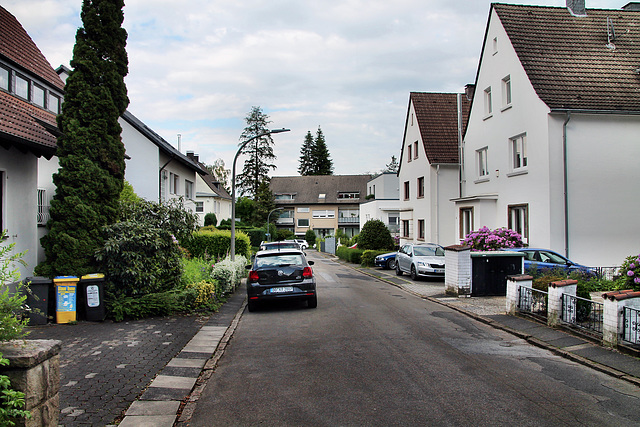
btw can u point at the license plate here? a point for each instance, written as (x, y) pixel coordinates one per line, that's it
(439, 270)
(281, 290)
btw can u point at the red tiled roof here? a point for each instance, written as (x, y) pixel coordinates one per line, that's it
(437, 117)
(567, 58)
(16, 45)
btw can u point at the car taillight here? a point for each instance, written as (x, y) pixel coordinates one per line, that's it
(253, 276)
(307, 272)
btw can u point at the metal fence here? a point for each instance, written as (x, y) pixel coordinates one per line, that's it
(582, 312)
(631, 332)
(608, 273)
(533, 301)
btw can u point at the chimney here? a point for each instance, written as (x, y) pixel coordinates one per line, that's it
(194, 157)
(469, 91)
(577, 8)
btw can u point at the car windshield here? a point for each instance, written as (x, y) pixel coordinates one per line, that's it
(550, 257)
(428, 251)
(270, 261)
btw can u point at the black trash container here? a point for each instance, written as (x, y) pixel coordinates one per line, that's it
(91, 297)
(38, 299)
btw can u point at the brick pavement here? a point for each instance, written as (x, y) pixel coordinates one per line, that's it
(105, 366)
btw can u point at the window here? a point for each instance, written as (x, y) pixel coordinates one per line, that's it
(506, 92)
(415, 150)
(466, 222)
(421, 229)
(421, 187)
(38, 96)
(405, 228)
(324, 214)
(188, 189)
(4, 78)
(518, 152)
(174, 180)
(43, 207)
(2, 187)
(163, 186)
(53, 104)
(488, 108)
(322, 196)
(409, 157)
(303, 222)
(284, 196)
(303, 210)
(199, 207)
(495, 45)
(22, 87)
(519, 220)
(354, 195)
(406, 190)
(482, 162)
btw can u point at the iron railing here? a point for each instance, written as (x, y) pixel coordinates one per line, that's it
(533, 301)
(608, 273)
(582, 312)
(631, 331)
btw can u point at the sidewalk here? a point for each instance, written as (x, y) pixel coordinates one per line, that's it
(492, 311)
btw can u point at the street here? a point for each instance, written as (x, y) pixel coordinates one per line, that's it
(372, 354)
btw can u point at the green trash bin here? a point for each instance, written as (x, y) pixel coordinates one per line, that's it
(91, 297)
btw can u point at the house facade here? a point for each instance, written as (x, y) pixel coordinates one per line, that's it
(382, 202)
(211, 196)
(322, 203)
(429, 172)
(30, 98)
(552, 140)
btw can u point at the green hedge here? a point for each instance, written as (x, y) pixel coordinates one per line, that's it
(348, 254)
(217, 244)
(369, 257)
(256, 236)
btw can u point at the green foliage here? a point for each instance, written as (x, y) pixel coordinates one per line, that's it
(630, 278)
(11, 401)
(369, 257)
(128, 195)
(153, 304)
(259, 152)
(244, 210)
(11, 326)
(210, 219)
(256, 236)
(89, 148)
(170, 216)
(229, 273)
(343, 238)
(284, 234)
(306, 156)
(216, 244)
(375, 235)
(310, 237)
(543, 277)
(322, 163)
(351, 255)
(264, 203)
(194, 270)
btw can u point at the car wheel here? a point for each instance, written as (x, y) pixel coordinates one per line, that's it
(312, 302)
(391, 264)
(398, 271)
(414, 274)
(252, 306)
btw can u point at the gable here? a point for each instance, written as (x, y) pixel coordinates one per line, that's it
(571, 62)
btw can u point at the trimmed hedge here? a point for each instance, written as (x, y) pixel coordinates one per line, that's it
(216, 244)
(348, 254)
(369, 257)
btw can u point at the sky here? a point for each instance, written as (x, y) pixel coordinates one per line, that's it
(197, 67)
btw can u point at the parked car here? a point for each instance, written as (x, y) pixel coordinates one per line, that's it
(420, 260)
(281, 274)
(279, 245)
(301, 242)
(535, 258)
(386, 261)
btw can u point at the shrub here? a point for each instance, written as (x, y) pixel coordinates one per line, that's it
(630, 269)
(351, 255)
(194, 270)
(229, 273)
(156, 304)
(11, 401)
(283, 234)
(493, 240)
(210, 219)
(209, 294)
(216, 244)
(256, 236)
(310, 237)
(11, 327)
(369, 257)
(375, 235)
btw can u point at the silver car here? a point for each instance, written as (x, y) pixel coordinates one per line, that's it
(420, 260)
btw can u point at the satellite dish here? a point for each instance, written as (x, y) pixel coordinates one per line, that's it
(611, 34)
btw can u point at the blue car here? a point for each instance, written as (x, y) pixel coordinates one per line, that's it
(386, 261)
(547, 259)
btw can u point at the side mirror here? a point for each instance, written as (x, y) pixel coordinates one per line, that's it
(247, 267)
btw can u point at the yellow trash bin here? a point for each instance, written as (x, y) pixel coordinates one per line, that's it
(65, 298)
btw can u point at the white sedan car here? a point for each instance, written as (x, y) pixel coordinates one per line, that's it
(420, 260)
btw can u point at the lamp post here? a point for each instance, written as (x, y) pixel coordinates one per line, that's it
(268, 216)
(233, 187)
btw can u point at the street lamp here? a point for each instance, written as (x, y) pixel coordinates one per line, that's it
(268, 216)
(233, 187)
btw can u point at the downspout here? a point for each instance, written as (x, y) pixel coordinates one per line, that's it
(437, 204)
(566, 193)
(460, 149)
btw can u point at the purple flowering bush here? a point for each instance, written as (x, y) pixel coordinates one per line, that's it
(486, 239)
(630, 271)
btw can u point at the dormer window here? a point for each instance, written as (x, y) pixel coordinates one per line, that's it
(22, 87)
(352, 195)
(284, 196)
(4, 78)
(38, 96)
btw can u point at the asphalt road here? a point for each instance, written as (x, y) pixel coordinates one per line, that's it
(371, 354)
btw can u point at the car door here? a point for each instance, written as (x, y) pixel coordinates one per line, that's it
(404, 260)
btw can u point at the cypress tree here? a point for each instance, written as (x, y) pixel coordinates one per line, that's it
(90, 149)
(320, 155)
(260, 151)
(306, 155)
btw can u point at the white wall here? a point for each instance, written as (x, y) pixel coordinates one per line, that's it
(142, 168)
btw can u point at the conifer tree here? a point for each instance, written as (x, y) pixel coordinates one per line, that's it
(323, 165)
(260, 151)
(306, 153)
(90, 149)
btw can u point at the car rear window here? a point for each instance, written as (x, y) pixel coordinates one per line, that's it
(278, 260)
(280, 246)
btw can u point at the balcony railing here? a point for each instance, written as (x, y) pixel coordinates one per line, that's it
(349, 220)
(284, 221)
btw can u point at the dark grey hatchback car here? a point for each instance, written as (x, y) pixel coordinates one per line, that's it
(279, 275)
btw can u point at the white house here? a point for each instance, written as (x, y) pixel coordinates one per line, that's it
(553, 140)
(211, 196)
(429, 174)
(382, 202)
(30, 97)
